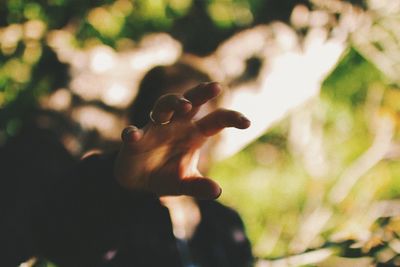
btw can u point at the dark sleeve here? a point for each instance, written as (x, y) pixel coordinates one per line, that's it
(75, 216)
(87, 213)
(220, 239)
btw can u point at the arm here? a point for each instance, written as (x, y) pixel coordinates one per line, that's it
(79, 214)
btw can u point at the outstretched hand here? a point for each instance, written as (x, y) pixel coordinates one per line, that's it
(162, 157)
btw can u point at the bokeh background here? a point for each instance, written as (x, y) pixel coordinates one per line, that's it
(317, 176)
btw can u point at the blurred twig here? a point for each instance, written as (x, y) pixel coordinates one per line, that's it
(377, 151)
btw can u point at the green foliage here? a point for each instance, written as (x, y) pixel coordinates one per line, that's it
(351, 79)
(29, 69)
(269, 184)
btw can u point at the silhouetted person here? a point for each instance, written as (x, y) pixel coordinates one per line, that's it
(219, 238)
(90, 213)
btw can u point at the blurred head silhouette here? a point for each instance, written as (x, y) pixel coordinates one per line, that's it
(159, 81)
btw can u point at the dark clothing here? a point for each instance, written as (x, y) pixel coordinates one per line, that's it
(75, 214)
(220, 239)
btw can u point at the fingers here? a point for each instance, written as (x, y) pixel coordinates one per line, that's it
(167, 106)
(200, 187)
(203, 93)
(186, 105)
(220, 119)
(200, 95)
(131, 134)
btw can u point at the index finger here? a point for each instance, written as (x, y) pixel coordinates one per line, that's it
(201, 94)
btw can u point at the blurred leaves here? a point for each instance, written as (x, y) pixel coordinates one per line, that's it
(271, 187)
(27, 68)
(351, 80)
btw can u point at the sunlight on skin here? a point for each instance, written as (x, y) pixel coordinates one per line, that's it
(162, 158)
(185, 215)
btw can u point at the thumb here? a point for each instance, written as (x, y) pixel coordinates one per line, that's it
(200, 187)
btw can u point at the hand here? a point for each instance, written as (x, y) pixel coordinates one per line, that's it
(162, 157)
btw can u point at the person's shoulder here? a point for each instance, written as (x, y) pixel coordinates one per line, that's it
(215, 209)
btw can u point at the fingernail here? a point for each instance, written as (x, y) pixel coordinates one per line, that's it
(219, 194)
(205, 84)
(184, 100)
(214, 83)
(244, 119)
(127, 131)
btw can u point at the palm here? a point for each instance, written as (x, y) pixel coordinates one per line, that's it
(163, 158)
